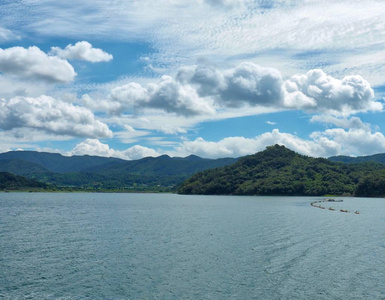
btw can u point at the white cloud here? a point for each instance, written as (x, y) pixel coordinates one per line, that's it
(137, 152)
(95, 147)
(81, 51)
(353, 141)
(7, 35)
(4, 148)
(51, 116)
(102, 105)
(353, 122)
(240, 146)
(245, 84)
(318, 92)
(129, 135)
(321, 144)
(11, 87)
(166, 95)
(369, 63)
(227, 3)
(155, 122)
(206, 90)
(283, 28)
(32, 63)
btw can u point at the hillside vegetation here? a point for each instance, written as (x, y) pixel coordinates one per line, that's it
(13, 182)
(275, 171)
(280, 171)
(101, 173)
(379, 158)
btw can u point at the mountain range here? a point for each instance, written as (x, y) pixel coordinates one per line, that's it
(379, 158)
(106, 173)
(275, 171)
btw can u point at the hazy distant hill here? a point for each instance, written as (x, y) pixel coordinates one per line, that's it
(21, 167)
(58, 163)
(106, 173)
(164, 165)
(280, 171)
(379, 158)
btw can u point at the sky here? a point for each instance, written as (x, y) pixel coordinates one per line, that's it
(213, 78)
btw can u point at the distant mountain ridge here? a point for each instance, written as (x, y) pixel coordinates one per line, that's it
(21, 167)
(58, 163)
(275, 171)
(379, 158)
(102, 172)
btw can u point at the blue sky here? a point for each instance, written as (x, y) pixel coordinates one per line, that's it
(215, 78)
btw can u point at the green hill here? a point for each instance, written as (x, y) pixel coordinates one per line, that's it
(164, 165)
(275, 171)
(13, 182)
(372, 185)
(21, 167)
(91, 172)
(379, 158)
(58, 163)
(279, 171)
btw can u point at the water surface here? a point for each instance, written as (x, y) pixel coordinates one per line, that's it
(163, 246)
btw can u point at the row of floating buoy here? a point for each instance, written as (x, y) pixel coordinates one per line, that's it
(315, 204)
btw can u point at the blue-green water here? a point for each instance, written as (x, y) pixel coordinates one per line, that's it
(160, 246)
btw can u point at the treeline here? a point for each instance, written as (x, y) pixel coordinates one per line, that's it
(123, 181)
(280, 171)
(9, 181)
(92, 173)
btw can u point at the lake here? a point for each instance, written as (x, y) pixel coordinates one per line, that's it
(165, 246)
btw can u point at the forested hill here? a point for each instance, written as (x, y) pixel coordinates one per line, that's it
(280, 171)
(379, 158)
(102, 173)
(55, 162)
(13, 182)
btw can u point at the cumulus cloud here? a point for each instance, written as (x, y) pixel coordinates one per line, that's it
(206, 91)
(51, 116)
(245, 84)
(320, 144)
(167, 95)
(12, 87)
(32, 63)
(251, 85)
(197, 91)
(95, 147)
(240, 146)
(104, 105)
(81, 51)
(318, 92)
(355, 141)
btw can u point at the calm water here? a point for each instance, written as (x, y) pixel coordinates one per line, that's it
(160, 246)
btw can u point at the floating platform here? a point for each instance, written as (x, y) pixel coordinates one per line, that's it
(333, 200)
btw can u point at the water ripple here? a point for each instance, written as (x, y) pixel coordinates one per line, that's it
(128, 246)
